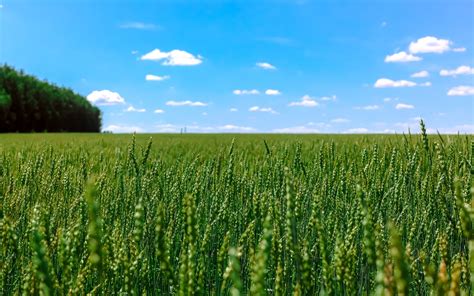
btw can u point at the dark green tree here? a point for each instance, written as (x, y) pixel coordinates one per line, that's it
(28, 104)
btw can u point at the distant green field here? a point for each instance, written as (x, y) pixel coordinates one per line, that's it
(236, 214)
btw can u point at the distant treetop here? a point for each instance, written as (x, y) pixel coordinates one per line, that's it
(28, 104)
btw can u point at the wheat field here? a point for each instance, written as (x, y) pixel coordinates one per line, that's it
(236, 214)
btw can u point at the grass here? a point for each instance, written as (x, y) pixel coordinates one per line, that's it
(236, 214)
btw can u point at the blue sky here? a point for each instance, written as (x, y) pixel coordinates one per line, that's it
(253, 66)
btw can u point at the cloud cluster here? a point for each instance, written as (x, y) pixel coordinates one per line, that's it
(305, 101)
(461, 70)
(176, 57)
(427, 44)
(402, 57)
(123, 129)
(272, 92)
(385, 82)
(262, 109)
(239, 92)
(268, 92)
(185, 103)
(368, 107)
(430, 44)
(133, 109)
(105, 98)
(461, 90)
(266, 66)
(421, 74)
(151, 77)
(402, 106)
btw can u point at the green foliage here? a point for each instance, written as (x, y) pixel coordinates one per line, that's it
(28, 104)
(236, 215)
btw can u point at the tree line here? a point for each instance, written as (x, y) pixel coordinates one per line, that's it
(28, 104)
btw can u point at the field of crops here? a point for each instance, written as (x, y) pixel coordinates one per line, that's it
(236, 214)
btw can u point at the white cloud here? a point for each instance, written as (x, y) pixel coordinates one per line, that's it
(233, 109)
(401, 106)
(296, 130)
(239, 92)
(262, 109)
(430, 44)
(186, 103)
(105, 98)
(235, 128)
(461, 70)
(384, 82)
(461, 90)
(306, 101)
(319, 124)
(459, 49)
(139, 26)
(368, 108)
(175, 57)
(427, 83)
(151, 77)
(166, 128)
(331, 98)
(159, 111)
(402, 57)
(120, 129)
(340, 120)
(266, 66)
(357, 130)
(133, 109)
(420, 74)
(386, 100)
(228, 128)
(272, 92)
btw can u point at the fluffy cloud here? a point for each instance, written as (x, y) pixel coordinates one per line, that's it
(459, 49)
(266, 66)
(159, 111)
(427, 83)
(272, 92)
(120, 129)
(185, 103)
(175, 57)
(368, 108)
(340, 120)
(420, 74)
(150, 77)
(461, 70)
(239, 92)
(430, 44)
(402, 57)
(401, 106)
(133, 109)
(262, 109)
(139, 26)
(384, 82)
(306, 101)
(233, 109)
(461, 90)
(105, 98)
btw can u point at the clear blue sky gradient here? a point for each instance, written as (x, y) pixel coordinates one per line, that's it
(320, 48)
